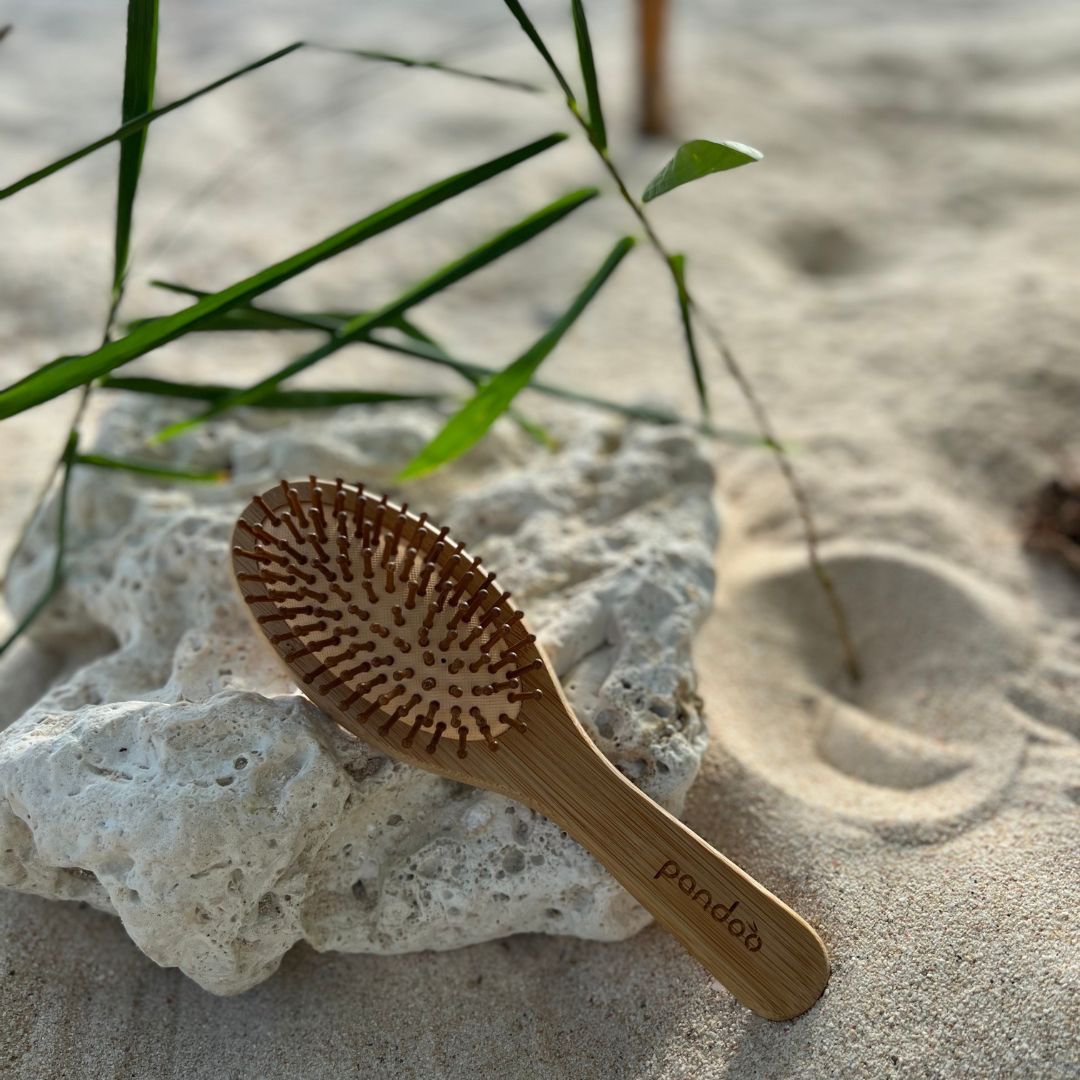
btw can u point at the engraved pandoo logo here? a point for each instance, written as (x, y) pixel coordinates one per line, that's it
(721, 913)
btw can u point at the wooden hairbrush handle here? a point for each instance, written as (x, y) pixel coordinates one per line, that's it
(761, 950)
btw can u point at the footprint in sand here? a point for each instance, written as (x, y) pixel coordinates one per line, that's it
(929, 741)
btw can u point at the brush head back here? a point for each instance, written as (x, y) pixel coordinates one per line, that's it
(390, 626)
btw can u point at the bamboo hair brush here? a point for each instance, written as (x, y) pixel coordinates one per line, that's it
(400, 636)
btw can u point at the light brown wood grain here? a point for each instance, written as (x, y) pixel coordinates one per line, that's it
(763, 952)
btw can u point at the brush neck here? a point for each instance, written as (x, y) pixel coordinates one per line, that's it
(747, 938)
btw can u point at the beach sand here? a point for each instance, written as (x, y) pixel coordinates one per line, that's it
(899, 277)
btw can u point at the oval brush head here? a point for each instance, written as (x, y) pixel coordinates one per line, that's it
(400, 635)
(386, 621)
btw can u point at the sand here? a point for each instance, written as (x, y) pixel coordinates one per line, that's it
(899, 277)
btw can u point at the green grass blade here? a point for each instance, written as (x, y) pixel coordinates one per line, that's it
(277, 399)
(139, 123)
(257, 317)
(409, 328)
(145, 468)
(140, 66)
(470, 424)
(66, 372)
(678, 270)
(356, 329)
(57, 575)
(431, 65)
(247, 317)
(597, 128)
(533, 35)
(698, 158)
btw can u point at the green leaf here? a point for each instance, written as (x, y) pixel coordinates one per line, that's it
(138, 123)
(252, 317)
(466, 427)
(597, 129)
(139, 68)
(146, 468)
(248, 317)
(67, 372)
(698, 158)
(357, 329)
(277, 399)
(432, 65)
(678, 272)
(533, 35)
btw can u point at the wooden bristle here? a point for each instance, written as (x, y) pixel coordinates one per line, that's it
(267, 513)
(315, 494)
(399, 526)
(418, 723)
(291, 525)
(376, 522)
(316, 646)
(319, 522)
(525, 695)
(359, 523)
(312, 675)
(532, 665)
(293, 500)
(464, 583)
(485, 730)
(316, 542)
(440, 727)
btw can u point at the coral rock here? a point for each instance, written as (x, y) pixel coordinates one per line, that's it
(172, 773)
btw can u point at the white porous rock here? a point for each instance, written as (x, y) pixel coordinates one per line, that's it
(171, 772)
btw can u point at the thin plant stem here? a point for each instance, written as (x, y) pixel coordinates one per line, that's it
(799, 494)
(756, 407)
(56, 577)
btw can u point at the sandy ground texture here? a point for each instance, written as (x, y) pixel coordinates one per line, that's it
(899, 276)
